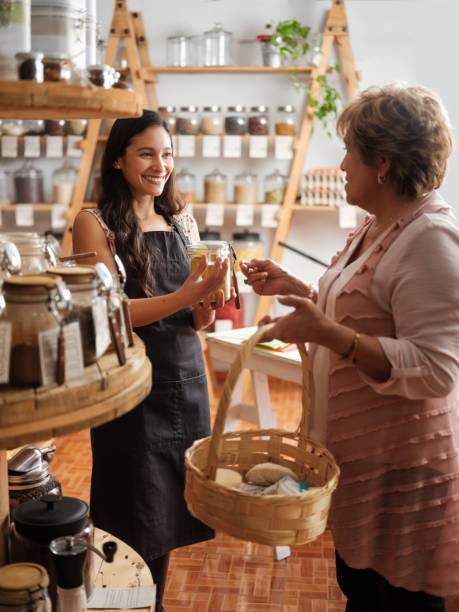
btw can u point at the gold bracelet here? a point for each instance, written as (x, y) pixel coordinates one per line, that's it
(351, 354)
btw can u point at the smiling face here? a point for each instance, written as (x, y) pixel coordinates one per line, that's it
(361, 178)
(147, 162)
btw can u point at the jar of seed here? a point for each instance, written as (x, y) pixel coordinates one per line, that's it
(212, 120)
(236, 123)
(215, 187)
(187, 122)
(285, 124)
(259, 120)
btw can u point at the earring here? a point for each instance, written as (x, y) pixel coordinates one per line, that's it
(380, 179)
(116, 165)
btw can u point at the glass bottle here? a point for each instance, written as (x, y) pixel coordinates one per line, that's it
(186, 184)
(212, 249)
(285, 124)
(215, 187)
(168, 114)
(64, 179)
(275, 185)
(187, 122)
(28, 182)
(259, 121)
(24, 588)
(245, 188)
(212, 120)
(218, 47)
(236, 121)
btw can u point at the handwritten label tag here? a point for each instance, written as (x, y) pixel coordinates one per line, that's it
(283, 147)
(244, 214)
(101, 329)
(59, 216)
(124, 599)
(24, 214)
(54, 146)
(269, 215)
(31, 146)
(5, 350)
(186, 146)
(243, 288)
(232, 146)
(347, 216)
(9, 146)
(215, 214)
(211, 146)
(47, 346)
(258, 146)
(74, 146)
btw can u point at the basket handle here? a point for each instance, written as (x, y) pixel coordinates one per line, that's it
(216, 439)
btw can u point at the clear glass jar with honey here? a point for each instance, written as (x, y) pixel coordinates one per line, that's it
(212, 249)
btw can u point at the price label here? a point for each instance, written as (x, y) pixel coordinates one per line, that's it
(5, 349)
(9, 146)
(186, 146)
(269, 215)
(47, 346)
(101, 329)
(347, 216)
(24, 214)
(31, 146)
(59, 216)
(258, 146)
(232, 146)
(215, 214)
(74, 146)
(211, 146)
(54, 146)
(244, 214)
(283, 147)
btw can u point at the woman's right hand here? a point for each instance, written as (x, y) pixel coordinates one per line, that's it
(266, 277)
(197, 288)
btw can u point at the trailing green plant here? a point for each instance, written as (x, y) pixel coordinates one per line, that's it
(289, 37)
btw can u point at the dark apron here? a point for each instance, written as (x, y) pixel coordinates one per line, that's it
(138, 474)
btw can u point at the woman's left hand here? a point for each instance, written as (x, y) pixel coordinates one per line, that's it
(305, 324)
(204, 310)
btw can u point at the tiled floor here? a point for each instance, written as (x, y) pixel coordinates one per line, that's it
(225, 574)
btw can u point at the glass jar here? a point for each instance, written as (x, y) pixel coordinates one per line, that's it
(13, 127)
(188, 120)
(91, 31)
(64, 179)
(168, 114)
(215, 187)
(28, 182)
(27, 309)
(177, 51)
(30, 66)
(14, 28)
(34, 127)
(56, 67)
(186, 184)
(212, 249)
(212, 120)
(88, 307)
(77, 127)
(245, 188)
(56, 127)
(24, 588)
(35, 253)
(247, 245)
(218, 47)
(275, 185)
(8, 65)
(5, 187)
(259, 121)
(285, 124)
(196, 50)
(101, 75)
(236, 121)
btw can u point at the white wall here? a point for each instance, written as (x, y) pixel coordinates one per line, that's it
(412, 40)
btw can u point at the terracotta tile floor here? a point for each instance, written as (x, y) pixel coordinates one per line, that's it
(225, 574)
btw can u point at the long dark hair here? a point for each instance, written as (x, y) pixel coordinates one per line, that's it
(115, 203)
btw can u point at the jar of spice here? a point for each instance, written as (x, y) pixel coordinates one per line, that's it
(77, 127)
(30, 66)
(285, 124)
(187, 122)
(236, 121)
(101, 75)
(56, 67)
(212, 120)
(168, 114)
(259, 121)
(274, 186)
(28, 182)
(215, 187)
(245, 188)
(186, 184)
(212, 249)
(56, 127)
(36, 254)
(24, 588)
(64, 179)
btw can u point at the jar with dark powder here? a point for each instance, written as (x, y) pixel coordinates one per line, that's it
(187, 121)
(259, 121)
(236, 123)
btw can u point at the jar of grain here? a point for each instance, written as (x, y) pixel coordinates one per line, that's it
(186, 184)
(212, 120)
(168, 114)
(275, 185)
(236, 123)
(285, 124)
(245, 188)
(212, 249)
(28, 182)
(215, 187)
(64, 179)
(259, 121)
(187, 122)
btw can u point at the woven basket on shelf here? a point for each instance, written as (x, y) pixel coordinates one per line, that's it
(275, 519)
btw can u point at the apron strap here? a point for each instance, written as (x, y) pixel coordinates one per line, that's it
(177, 227)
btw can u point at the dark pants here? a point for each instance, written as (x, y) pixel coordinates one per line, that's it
(368, 591)
(158, 568)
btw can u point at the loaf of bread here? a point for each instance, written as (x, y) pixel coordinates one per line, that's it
(268, 473)
(228, 478)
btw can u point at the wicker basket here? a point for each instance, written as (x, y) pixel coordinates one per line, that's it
(275, 519)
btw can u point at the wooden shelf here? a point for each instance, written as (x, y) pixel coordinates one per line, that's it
(272, 137)
(259, 205)
(45, 206)
(49, 100)
(145, 71)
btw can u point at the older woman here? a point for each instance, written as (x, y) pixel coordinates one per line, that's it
(384, 334)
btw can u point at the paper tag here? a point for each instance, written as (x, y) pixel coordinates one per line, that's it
(54, 146)
(244, 214)
(258, 146)
(243, 288)
(211, 146)
(125, 599)
(101, 329)
(269, 215)
(5, 350)
(215, 214)
(232, 146)
(347, 216)
(186, 146)
(59, 216)
(31, 146)
(47, 346)
(9, 146)
(283, 147)
(223, 325)
(24, 214)
(74, 146)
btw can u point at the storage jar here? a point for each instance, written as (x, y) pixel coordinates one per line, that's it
(215, 187)
(64, 179)
(8, 65)
(34, 127)
(168, 114)
(36, 254)
(186, 184)
(212, 120)
(259, 121)
(101, 75)
(28, 182)
(187, 122)
(13, 127)
(30, 66)
(56, 67)
(245, 188)
(24, 588)
(5, 187)
(247, 246)
(77, 127)
(14, 29)
(178, 51)
(56, 127)
(236, 123)
(285, 124)
(218, 47)
(212, 249)
(274, 187)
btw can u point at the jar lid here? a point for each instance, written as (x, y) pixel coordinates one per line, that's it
(189, 109)
(217, 30)
(216, 174)
(166, 109)
(27, 465)
(209, 245)
(54, 55)
(50, 517)
(23, 577)
(246, 235)
(100, 67)
(236, 109)
(24, 55)
(179, 37)
(212, 109)
(260, 109)
(288, 108)
(74, 274)
(30, 281)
